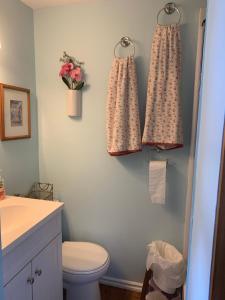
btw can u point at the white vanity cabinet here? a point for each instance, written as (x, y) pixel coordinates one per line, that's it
(41, 278)
(18, 289)
(47, 272)
(32, 264)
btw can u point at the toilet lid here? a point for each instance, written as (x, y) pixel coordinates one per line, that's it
(80, 257)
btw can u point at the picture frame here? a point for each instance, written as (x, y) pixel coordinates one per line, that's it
(15, 119)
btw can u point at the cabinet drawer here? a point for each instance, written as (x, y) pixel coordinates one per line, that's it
(20, 256)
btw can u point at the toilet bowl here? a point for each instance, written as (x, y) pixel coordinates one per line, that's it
(83, 265)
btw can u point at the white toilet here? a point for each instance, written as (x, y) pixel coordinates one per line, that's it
(83, 265)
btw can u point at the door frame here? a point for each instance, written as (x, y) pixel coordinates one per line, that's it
(217, 269)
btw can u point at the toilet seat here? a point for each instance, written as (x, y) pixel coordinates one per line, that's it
(83, 258)
(83, 265)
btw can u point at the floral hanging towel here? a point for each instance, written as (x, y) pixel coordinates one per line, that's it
(123, 122)
(163, 122)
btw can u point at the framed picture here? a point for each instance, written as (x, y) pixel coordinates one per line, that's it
(14, 113)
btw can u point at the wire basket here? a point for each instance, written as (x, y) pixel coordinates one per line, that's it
(41, 191)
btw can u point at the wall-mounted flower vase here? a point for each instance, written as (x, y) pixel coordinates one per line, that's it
(74, 103)
(73, 76)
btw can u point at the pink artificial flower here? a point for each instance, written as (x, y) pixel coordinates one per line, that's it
(65, 69)
(76, 74)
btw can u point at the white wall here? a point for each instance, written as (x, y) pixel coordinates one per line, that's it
(210, 131)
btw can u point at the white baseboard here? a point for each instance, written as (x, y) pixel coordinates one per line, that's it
(123, 284)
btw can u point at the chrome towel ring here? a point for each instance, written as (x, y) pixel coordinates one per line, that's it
(124, 42)
(169, 9)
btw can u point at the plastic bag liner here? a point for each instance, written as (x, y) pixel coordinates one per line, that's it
(167, 265)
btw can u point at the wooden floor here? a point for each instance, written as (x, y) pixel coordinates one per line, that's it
(112, 293)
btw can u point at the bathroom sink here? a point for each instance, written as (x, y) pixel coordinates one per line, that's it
(20, 216)
(31, 238)
(14, 218)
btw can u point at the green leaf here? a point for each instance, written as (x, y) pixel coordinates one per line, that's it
(79, 85)
(66, 82)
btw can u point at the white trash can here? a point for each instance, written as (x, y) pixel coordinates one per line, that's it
(167, 265)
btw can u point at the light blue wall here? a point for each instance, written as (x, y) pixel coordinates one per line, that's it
(210, 134)
(18, 159)
(106, 199)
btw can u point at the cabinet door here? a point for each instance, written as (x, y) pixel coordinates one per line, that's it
(47, 272)
(20, 287)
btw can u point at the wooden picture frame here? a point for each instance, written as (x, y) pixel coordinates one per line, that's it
(15, 120)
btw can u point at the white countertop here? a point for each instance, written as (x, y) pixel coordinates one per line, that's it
(22, 216)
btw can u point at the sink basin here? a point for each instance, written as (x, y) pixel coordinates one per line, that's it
(20, 216)
(14, 217)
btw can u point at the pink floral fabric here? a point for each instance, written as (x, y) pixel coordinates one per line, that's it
(123, 123)
(163, 122)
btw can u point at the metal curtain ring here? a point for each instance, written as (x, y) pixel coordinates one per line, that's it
(124, 42)
(169, 9)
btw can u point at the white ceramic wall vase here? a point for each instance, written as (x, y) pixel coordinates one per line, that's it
(74, 103)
